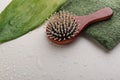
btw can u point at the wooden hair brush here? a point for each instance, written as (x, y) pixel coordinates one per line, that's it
(64, 27)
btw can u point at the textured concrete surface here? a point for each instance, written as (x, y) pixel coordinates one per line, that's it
(34, 57)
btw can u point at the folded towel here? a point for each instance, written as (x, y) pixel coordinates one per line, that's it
(106, 32)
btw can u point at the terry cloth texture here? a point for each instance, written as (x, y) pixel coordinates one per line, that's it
(106, 32)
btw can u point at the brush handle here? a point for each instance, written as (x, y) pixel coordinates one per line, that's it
(100, 15)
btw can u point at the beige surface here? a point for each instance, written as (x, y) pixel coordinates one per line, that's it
(34, 57)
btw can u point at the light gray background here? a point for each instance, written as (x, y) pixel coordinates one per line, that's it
(34, 57)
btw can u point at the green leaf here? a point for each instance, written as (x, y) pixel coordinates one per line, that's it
(22, 16)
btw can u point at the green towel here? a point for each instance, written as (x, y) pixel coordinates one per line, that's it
(106, 32)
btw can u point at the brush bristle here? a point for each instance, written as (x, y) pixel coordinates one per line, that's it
(62, 26)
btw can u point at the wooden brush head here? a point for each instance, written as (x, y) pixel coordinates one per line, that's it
(62, 27)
